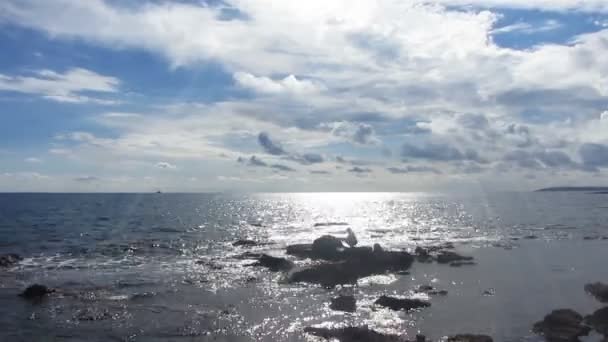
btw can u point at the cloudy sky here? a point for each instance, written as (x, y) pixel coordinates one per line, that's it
(317, 95)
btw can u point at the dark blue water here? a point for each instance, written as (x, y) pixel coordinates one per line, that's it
(161, 267)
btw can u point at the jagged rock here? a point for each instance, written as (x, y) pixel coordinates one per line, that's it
(401, 304)
(36, 291)
(359, 262)
(344, 303)
(8, 260)
(273, 263)
(351, 334)
(598, 290)
(423, 254)
(562, 326)
(462, 263)
(599, 321)
(469, 338)
(245, 243)
(446, 257)
(430, 290)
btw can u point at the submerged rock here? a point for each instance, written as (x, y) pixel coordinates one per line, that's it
(10, 259)
(326, 224)
(245, 243)
(598, 290)
(462, 263)
(469, 338)
(562, 325)
(599, 321)
(423, 254)
(401, 304)
(344, 303)
(36, 291)
(359, 262)
(446, 257)
(273, 263)
(351, 334)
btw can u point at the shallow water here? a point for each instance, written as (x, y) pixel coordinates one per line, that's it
(127, 266)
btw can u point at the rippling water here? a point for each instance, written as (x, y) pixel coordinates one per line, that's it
(161, 267)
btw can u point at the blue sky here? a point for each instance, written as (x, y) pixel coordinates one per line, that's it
(290, 96)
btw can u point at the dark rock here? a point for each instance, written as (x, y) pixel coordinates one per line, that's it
(403, 273)
(562, 325)
(244, 243)
(91, 315)
(598, 290)
(588, 238)
(423, 255)
(360, 262)
(327, 247)
(489, 292)
(351, 334)
(326, 224)
(446, 257)
(430, 290)
(209, 264)
(530, 237)
(401, 304)
(8, 260)
(36, 291)
(344, 303)
(420, 338)
(599, 321)
(462, 263)
(273, 263)
(469, 338)
(251, 279)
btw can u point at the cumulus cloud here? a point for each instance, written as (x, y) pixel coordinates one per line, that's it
(287, 85)
(269, 146)
(62, 87)
(594, 155)
(86, 179)
(413, 169)
(358, 169)
(165, 165)
(437, 152)
(359, 133)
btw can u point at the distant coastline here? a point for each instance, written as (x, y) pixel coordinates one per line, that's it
(595, 189)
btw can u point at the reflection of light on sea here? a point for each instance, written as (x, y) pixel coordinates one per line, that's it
(394, 220)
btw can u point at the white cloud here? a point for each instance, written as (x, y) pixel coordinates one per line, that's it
(548, 25)
(33, 160)
(165, 165)
(289, 84)
(62, 87)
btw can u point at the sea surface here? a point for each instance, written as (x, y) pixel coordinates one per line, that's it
(162, 267)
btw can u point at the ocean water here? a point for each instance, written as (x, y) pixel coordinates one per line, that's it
(161, 267)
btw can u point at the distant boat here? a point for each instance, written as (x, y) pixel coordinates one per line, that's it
(159, 192)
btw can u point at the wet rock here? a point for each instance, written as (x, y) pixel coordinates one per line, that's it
(462, 263)
(446, 257)
(406, 304)
(8, 260)
(245, 243)
(344, 303)
(430, 290)
(209, 264)
(561, 325)
(530, 237)
(599, 321)
(273, 263)
(360, 262)
(469, 338)
(420, 338)
(36, 291)
(423, 255)
(327, 247)
(489, 292)
(598, 290)
(351, 334)
(403, 273)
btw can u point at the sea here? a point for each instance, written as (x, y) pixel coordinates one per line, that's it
(162, 267)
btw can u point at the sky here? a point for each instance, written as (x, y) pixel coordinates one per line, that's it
(317, 95)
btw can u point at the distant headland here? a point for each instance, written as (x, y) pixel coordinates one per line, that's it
(594, 189)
